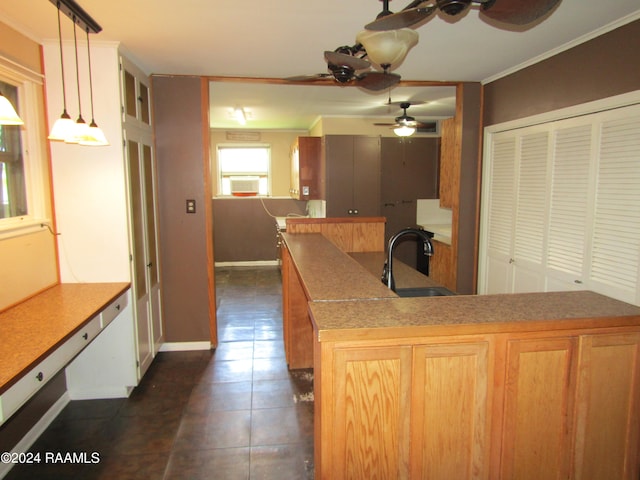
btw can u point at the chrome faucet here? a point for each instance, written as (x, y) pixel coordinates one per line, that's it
(427, 249)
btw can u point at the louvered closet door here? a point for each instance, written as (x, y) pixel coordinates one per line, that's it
(571, 180)
(531, 211)
(498, 274)
(615, 251)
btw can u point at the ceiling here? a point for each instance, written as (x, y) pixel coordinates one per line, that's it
(230, 38)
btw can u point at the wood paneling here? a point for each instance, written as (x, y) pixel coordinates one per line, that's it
(350, 234)
(450, 421)
(371, 428)
(608, 407)
(540, 387)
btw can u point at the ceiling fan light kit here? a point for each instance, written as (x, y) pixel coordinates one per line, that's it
(388, 47)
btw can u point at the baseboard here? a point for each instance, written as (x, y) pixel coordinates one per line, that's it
(252, 263)
(184, 346)
(120, 392)
(34, 433)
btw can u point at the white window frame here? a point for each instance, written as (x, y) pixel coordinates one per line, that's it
(30, 109)
(247, 146)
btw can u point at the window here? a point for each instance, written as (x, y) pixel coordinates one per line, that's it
(13, 195)
(24, 181)
(244, 170)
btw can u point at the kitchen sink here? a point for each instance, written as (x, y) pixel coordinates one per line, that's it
(424, 292)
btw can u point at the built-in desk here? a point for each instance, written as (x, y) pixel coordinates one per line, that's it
(40, 336)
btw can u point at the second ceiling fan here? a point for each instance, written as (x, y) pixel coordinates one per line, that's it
(511, 12)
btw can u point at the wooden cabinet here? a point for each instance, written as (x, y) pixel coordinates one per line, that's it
(552, 405)
(371, 430)
(352, 165)
(450, 152)
(538, 409)
(442, 265)
(607, 407)
(348, 234)
(307, 172)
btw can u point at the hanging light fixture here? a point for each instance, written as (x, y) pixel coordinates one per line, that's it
(94, 136)
(8, 115)
(80, 128)
(63, 127)
(388, 47)
(404, 131)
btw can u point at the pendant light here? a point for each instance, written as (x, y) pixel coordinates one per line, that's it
(94, 136)
(389, 47)
(8, 115)
(63, 127)
(80, 128)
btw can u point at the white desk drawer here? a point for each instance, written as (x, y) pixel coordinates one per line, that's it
(113, 310)
(35, 379)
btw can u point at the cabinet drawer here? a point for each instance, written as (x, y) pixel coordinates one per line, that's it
(38, 376)
(113, 310)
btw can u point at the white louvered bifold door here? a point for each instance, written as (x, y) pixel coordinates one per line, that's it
(615, 250)
(570, 183)
(531, 212)
(561, 207)
(498, 272)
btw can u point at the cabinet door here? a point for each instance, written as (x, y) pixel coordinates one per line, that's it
(450, 151)
(450, 418)
(366, 176)
(608, 407)
(338, 153)
(136, 95)
(538, 409)
(352, 175)
(306, 169)
(370, 434)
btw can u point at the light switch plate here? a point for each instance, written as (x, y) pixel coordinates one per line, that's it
(191, 206)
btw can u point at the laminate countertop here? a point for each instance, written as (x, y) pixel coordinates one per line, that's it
(348, 300)
(31, 330)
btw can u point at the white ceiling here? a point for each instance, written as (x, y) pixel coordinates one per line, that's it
(252, 38)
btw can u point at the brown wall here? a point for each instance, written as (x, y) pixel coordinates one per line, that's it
(244, 231)
(605, 66)
(182, 155)
(471, 111)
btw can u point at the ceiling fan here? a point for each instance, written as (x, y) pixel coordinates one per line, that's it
(514, 12)
(405, 125)
(348, 65)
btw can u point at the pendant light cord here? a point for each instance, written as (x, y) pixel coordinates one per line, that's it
(64, 95)
(90, 81)
(75, 41)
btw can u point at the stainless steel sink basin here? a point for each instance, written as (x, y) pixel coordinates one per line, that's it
(424, 292)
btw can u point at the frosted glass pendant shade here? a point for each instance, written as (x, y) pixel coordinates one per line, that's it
(8, 115)
(94, 137)
(387, 47)
(404, 131)
(63, 128)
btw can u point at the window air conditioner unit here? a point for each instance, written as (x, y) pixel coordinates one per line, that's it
(244, 186)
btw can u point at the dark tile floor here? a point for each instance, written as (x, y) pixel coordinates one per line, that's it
(235, 413)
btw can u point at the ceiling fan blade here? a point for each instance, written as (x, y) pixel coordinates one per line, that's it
(517, 12)
(403, 19)
(376, 81)
(342, 59)
(385, 124)
(307, 78)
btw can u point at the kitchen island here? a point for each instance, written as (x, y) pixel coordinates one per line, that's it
(525, 386)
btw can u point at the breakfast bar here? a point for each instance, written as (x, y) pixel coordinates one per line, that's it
(526, 386)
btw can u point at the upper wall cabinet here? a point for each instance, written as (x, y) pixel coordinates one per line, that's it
(307, 172)
(353, 175)
(561, 207)
(136, 106)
